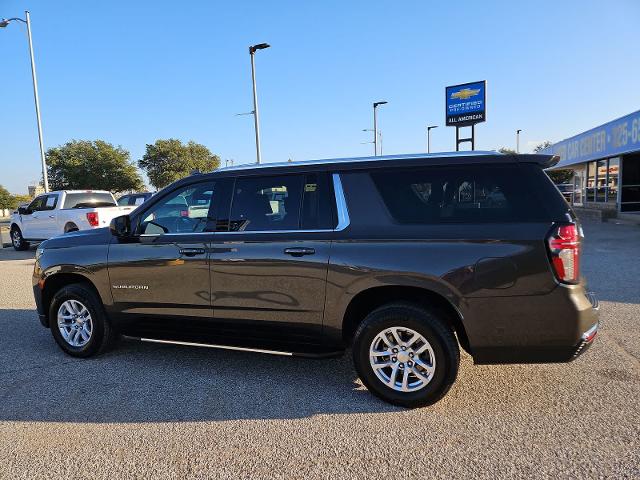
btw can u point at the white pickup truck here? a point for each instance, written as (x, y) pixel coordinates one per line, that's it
(64, 211)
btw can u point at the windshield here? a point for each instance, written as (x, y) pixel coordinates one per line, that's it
(89, 200)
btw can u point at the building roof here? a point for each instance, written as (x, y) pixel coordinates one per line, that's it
(616, 137)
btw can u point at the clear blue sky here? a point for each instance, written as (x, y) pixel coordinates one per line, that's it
(131, 72)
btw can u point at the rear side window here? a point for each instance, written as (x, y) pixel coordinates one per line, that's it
(138, 200)
(88, 200)
(285, 202)
(266, 203)
(51, 202)
(469, 194)
(317, 203)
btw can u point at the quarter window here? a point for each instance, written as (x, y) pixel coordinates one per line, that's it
(186, 210)
(456, 195)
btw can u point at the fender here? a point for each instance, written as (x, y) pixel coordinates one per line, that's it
(92, 276)
(339, 297)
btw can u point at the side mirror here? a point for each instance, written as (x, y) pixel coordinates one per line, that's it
(24, 211)
(121, 226)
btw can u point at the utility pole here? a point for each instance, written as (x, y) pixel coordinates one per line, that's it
(429, 128)
(27, 21)
(375, 127)
(256, 116)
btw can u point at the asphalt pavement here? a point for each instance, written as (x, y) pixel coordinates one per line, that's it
(160, 411)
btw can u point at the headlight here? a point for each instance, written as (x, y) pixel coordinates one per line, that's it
(39, 252)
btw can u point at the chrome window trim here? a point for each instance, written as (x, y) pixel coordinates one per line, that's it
(341, 209)
(341, 204)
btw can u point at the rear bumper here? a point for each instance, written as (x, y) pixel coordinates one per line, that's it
(557, 327)
(586, 340)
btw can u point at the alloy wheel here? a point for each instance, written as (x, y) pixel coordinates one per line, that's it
(402, 359)
(75, 323)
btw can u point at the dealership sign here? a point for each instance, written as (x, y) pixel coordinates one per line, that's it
(466, 104)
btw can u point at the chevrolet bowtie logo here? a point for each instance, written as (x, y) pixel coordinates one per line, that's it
(465, 93)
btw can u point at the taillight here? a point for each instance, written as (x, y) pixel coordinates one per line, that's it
(92, 217)
(564, 248)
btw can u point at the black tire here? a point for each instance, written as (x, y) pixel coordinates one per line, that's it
(17, 240)
(102, 334)
(70, 227)
(428, 323)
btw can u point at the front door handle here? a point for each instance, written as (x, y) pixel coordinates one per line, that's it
(52, 216)
(192, 252)
(299, 251)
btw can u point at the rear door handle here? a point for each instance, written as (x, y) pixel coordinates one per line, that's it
(299, 251)
(192, 252)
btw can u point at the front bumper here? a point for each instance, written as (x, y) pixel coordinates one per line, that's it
(37, 295)
(37, 283)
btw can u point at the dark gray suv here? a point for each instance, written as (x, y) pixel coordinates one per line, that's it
(405, 259)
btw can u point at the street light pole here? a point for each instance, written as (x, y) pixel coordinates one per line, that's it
(429, 128)
(375, 127)
(4, 23)
(518, 140)
(256, 116)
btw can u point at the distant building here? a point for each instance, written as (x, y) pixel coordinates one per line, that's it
(606, 166)
(35, 190)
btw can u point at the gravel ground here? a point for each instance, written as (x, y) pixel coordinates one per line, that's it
(151, 411)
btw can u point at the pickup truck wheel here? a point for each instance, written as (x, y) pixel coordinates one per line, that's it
(17, 240)
(406, 355)
(70, 227)
(78, 321)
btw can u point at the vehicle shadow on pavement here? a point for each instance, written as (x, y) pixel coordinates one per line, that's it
(8, 253)
(140, 382)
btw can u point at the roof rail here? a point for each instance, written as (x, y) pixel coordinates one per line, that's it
(410, 156)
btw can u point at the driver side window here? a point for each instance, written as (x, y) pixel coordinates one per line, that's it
(37, 204)
(184, 211)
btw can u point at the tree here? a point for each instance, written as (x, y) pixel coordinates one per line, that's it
(169, 160)
(7, 201)
(22, 199)
(98, 165)
(542, 146)
(507, 151)
(556, 176)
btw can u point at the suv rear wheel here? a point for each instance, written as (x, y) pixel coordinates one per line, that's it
(406, 354)
(18, 241)
(78, 321)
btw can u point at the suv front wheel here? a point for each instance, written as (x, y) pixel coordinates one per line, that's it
(78, 321)
(406, 354)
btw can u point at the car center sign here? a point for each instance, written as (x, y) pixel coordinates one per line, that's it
(613, 138)
(466, 104)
